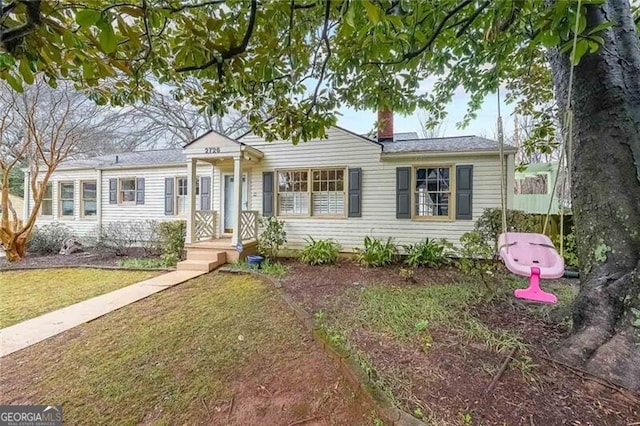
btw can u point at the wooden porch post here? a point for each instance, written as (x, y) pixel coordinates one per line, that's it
(191, 201)
(237, 199)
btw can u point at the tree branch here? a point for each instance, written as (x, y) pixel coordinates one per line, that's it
(325, 38)
(12, 37)
(193, 5)
(412, 54)
(233, 51)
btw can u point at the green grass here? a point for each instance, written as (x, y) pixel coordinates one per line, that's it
(270, 268)
(150, 263)
(163, 360)
(27, 294)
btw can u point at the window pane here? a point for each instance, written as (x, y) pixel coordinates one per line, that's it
(128, 195)
(127, 184)
(47, 207)
(90, 208)
(66, 191)
(67, 207)
(48, 191)
(432, 193)
(88, 190)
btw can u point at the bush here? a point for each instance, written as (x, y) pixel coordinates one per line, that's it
(319, 252)
(489, 225)
(477, 258)
(172, 235)
(429, 253)
(48, 239)
(117, 237)
(272, 238)
(569, 249)
(148, 236)
(376, 253)
(274, 269)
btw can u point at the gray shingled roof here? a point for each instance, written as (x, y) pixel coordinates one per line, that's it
(447, 144)
(135, 158)
(405, 136)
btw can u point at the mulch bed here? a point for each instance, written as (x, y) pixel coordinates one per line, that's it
(84, 258)
(450, 380)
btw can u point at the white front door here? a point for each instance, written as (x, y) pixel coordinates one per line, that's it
(229, 208)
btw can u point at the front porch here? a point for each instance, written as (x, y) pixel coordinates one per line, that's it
(222, 227)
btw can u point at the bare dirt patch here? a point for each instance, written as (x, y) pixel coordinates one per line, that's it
(90, 257)
(442, 376)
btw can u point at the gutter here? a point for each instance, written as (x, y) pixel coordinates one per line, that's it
(412, 154)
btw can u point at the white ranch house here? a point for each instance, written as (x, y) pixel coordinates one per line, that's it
(344, 187)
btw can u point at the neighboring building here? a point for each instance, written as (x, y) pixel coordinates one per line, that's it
(344, 187)
(18, 205)
(534, 189)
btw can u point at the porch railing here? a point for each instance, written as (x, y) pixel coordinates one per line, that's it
(249, 225)
(205, 221)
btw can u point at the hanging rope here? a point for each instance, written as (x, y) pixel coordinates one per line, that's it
(567, 148)
(503, 197)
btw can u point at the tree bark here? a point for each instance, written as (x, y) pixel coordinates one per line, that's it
(605, 171)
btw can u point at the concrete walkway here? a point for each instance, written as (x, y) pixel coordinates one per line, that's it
(29, 332)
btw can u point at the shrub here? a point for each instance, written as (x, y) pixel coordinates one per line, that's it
(117, 237)
(489, 225)
(172, 235)
(148, 236)
(376, 253)
(48, 239)
(319, 252)
(142, 263)
(272, 238)
(569, 249)
(477, 258)
(429, 253)
(274, 269)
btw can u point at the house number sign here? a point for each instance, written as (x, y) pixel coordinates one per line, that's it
(212, 150)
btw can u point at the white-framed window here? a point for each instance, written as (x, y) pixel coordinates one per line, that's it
(433, 192)
(126, 190)
(312, 192)
(327, 192)
(66, 197)
(88, 198)
(182, 192)
(293, 193)
(46, 208)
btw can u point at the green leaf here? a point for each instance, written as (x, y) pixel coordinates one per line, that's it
(373, 13)
(14, 83)
(600, 27)
(582, 47)
(107, 38)
(87, 17)
(25, 71)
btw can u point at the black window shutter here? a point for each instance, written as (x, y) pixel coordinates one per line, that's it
(139, 190)
(205, 193)
(355, 192)
(403, 192)
(267, 194)
(113, 191)
(464, 192)
(168, 196)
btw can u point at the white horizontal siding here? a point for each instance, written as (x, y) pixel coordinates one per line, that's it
(152, 209)
(79, 225)
(378, 190)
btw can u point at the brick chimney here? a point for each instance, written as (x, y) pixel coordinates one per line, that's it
(385, 123)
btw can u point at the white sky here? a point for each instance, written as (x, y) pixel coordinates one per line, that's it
(483, 125)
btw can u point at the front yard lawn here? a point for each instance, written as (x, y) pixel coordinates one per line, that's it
(435, 345)
(219, 349)
(27, 294)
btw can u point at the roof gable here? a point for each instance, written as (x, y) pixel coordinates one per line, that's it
(212, 139)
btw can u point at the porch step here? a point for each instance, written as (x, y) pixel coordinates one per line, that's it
(202, 260)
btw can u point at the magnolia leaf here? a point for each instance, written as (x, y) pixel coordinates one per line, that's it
(87, 17)
(14, 83)
(582, 47)
(373, 13)
(25, 71)
(108, 40)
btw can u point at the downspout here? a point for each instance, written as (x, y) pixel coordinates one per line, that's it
(99, 204)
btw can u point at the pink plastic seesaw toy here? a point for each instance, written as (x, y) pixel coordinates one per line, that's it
(533, 256)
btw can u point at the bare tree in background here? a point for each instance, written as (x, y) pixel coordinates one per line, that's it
(430, 128)
(171, 123)
(41, 128)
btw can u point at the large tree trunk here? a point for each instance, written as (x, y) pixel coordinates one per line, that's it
(606, 197)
